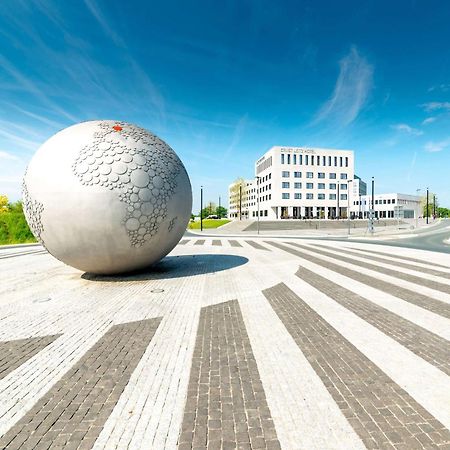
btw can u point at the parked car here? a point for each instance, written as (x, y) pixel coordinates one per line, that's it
(212, 216)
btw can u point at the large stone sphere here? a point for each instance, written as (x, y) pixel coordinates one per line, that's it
(107, 197)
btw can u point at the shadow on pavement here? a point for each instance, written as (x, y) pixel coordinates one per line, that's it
(175, 267)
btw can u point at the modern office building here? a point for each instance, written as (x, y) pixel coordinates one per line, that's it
(386, 205)
(298, 182)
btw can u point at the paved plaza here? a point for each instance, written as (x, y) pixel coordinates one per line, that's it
(228, 343)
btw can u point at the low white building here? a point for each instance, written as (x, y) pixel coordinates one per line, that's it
(386, 206)
(241, 197)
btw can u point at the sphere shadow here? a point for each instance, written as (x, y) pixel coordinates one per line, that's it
(175, 267)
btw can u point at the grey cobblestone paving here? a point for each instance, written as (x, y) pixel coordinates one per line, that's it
(402, 276)
(199, 242)
(257, 245)
(403, 258)
(234, 243)
(14, 353)
(437, 273)
(383, 414)
(226, 406)
(217, 242)
(72, 414)
(424, 343)
(415, 298)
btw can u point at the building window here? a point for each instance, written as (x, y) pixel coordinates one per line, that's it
(393, 201)
(344, 187)
(376, 202)
(321, 175)
(270, 175)
(321, 186)
(384, 201)
(309, 196)
(332, 197)
(285, 174)
(306, 160)
(321, 196)
(324, 160)
(297, 196)
(265, 212)
(297, 185)
(329, 161)
(300, 159)
(389, 201)
(294, 157)
(346, 161)
(309, 186)
(332, 176)
(332, 186)
(282, 158)
(285, 196)
(340, 161)
(335, 161)
(318, 160)
(289, 158)
(297, 174)
(343, 196)
(309, 174)
(285, 185)
(343, 176)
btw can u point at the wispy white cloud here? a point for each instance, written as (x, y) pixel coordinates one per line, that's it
(436, 106)
(428, 120)
(433, 147)
(7, 155)
(411, 166)
(405, 128)
(439, 87)
(236, 137)
(351, 90)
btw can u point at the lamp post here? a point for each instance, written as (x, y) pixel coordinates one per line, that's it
(201, 208)
(348, 204)
(338, 214)
(372, 211)
(434, 206)
(418, 209)
(427, 206)
(257, 202)
(240, 202)
(219, 208)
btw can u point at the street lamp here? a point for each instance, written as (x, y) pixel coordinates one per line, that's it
(201, 208)
(257, 202)
(348, 204)
(418, 209)
(427, 206)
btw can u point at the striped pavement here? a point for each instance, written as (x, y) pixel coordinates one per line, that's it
(230, 344)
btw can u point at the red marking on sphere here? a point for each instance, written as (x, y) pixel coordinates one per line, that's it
(117, 127)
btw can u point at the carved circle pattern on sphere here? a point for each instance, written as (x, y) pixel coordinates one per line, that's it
(107, 197)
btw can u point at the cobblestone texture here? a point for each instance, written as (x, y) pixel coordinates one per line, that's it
(346, 251)
(234, 243)
(432, 284)
(257, 245)
(14, 353)
(72, 414)
(431, 304)
(226, 406)
(379, 410)
(424, 343)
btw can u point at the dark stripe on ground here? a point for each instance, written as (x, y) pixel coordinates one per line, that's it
(14, 353)
(431, 304)
(429, 346)
(199, 242)
(257, 245)
(217, 242)
(13, 255)
(183, 242)
(403, 258)
(72, 413)
(379, 410)
(394, 273)
(345, 251)
(226, 405)
(234, 243)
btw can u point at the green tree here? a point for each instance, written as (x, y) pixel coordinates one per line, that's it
(443, 212)
(4, 205)
(221, 211)
(209, 210)
(423, 204)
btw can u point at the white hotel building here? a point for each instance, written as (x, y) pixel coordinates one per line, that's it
(296, 182)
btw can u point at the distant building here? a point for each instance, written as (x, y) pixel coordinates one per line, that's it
(386, 206)
(241, 197)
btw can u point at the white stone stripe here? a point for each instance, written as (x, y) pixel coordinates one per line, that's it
(424, 382)
(390, 279)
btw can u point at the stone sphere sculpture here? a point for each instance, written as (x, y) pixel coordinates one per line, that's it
(107, 197)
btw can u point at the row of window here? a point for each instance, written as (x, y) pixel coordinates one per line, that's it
(341, 161)
(331, 176)
(310, 196)
(377, 202)
(264, 165)
(287, 185)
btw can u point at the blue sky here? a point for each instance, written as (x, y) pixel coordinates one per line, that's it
(223, 82)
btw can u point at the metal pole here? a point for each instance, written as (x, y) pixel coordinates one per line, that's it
(338, 214)
(201, 208)
(219, 207)
(348, 204)
(240, 202)
(257, 198)
(372, 212)
(427, 206)
(417, 210)
(434, 207)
